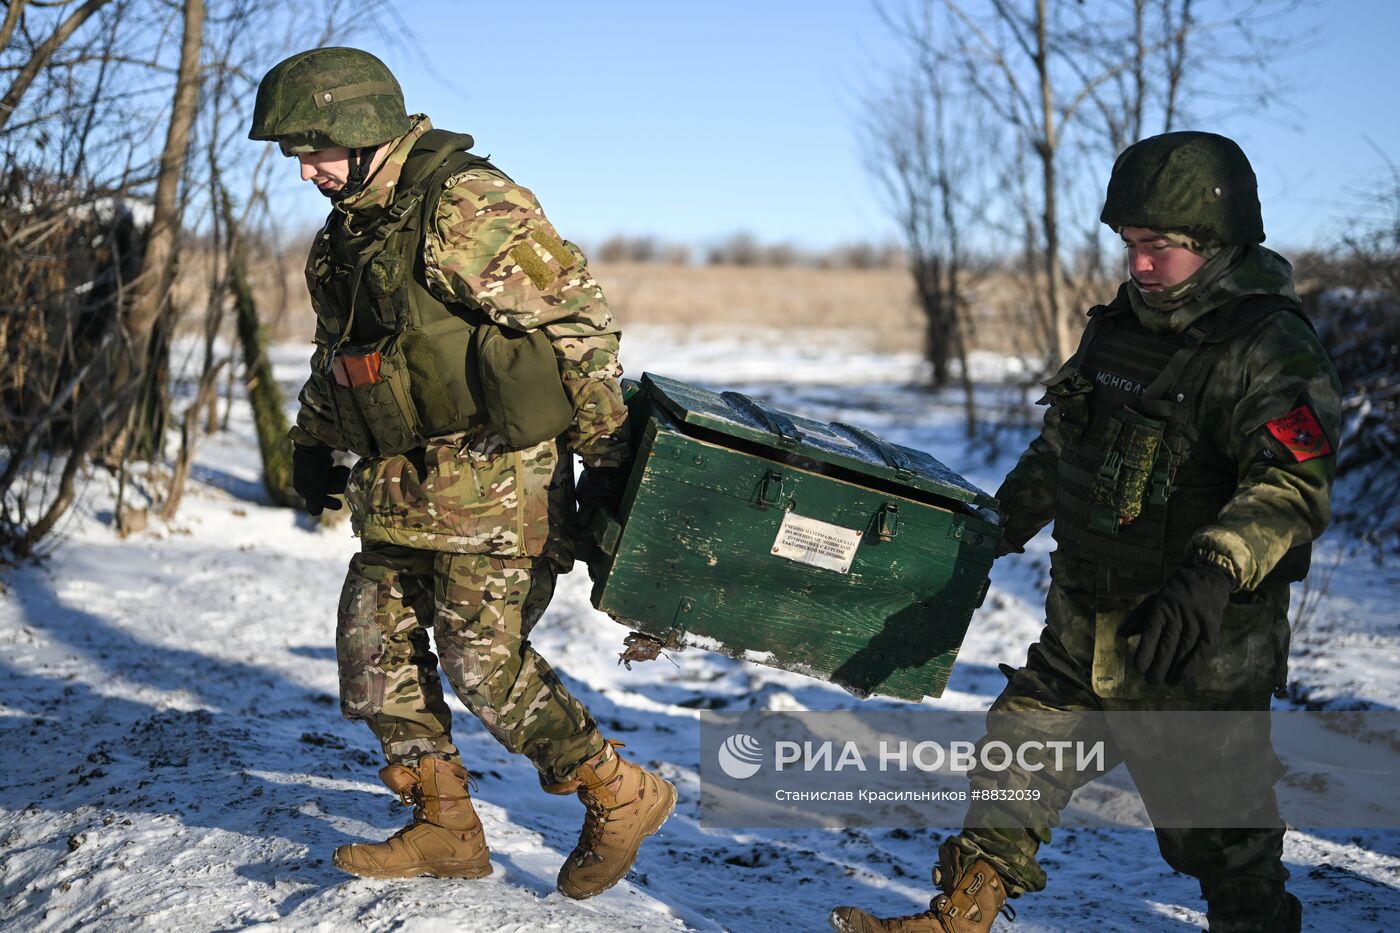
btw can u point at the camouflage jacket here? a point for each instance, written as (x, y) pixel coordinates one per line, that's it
(490, 247)
(1243, 410)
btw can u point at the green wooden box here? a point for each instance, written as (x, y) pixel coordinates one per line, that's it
(816, 548)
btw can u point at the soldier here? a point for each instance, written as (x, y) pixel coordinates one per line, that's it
(1186, 460)
(464, 352)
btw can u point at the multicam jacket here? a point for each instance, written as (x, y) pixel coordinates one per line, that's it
(491, 248)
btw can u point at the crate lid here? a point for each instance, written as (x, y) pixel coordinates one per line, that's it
(840, 444)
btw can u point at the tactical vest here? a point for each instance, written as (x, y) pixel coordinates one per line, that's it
(1134, 481)
(399, 365)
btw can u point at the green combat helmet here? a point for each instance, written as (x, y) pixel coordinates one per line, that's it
(325, 98)
(1199, 182)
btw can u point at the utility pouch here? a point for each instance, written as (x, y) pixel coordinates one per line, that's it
(1132, 443)
(373, 407)
(386, 306)
(1067, 394)
(355, 368)
(521, 387)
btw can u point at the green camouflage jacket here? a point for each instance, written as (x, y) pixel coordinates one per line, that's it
(1249, 409)
(492, 247)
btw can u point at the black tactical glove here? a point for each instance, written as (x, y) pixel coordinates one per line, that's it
(1180, 623)
(1006, 546)
(601, 487)
(316, 478)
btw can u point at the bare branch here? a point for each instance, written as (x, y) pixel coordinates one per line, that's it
(156, 268)
(13, 11)
(41, 55)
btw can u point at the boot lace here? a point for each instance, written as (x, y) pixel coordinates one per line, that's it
(939, 903)
(594, 825)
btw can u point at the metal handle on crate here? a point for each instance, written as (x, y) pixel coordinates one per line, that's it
(605, 530)
(889, 453)
(775, 422)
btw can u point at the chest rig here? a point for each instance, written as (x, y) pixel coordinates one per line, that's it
(397, 362)
(1135, 480)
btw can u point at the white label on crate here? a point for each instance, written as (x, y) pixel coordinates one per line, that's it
(819, 544)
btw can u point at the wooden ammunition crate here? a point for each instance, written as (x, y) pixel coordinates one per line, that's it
(811, 547)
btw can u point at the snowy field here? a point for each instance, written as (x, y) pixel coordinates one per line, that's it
(175, 758)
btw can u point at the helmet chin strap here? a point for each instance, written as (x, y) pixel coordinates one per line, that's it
(360, 160)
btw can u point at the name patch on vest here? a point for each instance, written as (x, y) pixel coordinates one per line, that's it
(1119, 383)
(1301, 434)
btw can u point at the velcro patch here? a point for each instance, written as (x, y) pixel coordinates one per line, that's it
(1301, 434)
(533, 265)
(554, 248)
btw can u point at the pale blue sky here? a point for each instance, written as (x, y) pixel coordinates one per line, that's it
(694, 120)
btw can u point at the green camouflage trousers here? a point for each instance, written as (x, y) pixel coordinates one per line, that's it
(481, 609)
(1240, 870)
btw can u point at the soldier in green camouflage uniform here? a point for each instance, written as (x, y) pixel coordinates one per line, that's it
(430, 262)
(1186, 459)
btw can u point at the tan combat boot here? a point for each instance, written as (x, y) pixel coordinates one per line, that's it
(625, 805)
(445, 839)
(973, 895)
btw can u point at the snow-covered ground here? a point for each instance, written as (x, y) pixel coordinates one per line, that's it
(174, 758)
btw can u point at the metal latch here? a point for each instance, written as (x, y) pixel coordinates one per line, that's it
(771, 492)
(887, 521)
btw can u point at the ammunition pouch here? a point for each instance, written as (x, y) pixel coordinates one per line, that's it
(353, 368)
(1129, 474)
(369, 390)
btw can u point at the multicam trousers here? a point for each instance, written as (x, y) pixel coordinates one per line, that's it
(1240, 870)
(481, 609)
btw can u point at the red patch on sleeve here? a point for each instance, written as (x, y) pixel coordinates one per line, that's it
(1301, 434)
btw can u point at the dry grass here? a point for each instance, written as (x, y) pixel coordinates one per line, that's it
(876, 306)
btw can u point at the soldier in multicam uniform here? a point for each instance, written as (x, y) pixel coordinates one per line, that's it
(1186, 459)
(464, 351)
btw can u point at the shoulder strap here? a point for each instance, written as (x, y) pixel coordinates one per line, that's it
(431, 149)
(1098, 315)
(453, 164)
(1221, 325)
(435, 157)
(1252, 310)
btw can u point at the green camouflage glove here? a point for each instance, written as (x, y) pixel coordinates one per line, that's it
(1180, 623)
(316, 478)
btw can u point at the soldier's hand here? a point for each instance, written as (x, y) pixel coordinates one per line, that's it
(1007, 546)
(316, 478)
(601, 487)
(1180, 623)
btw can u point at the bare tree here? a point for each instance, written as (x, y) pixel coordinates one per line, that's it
(152, 287)
(1355, 301)
(39, 58)
(106, 102)
(922, 155)
(1073, 84)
